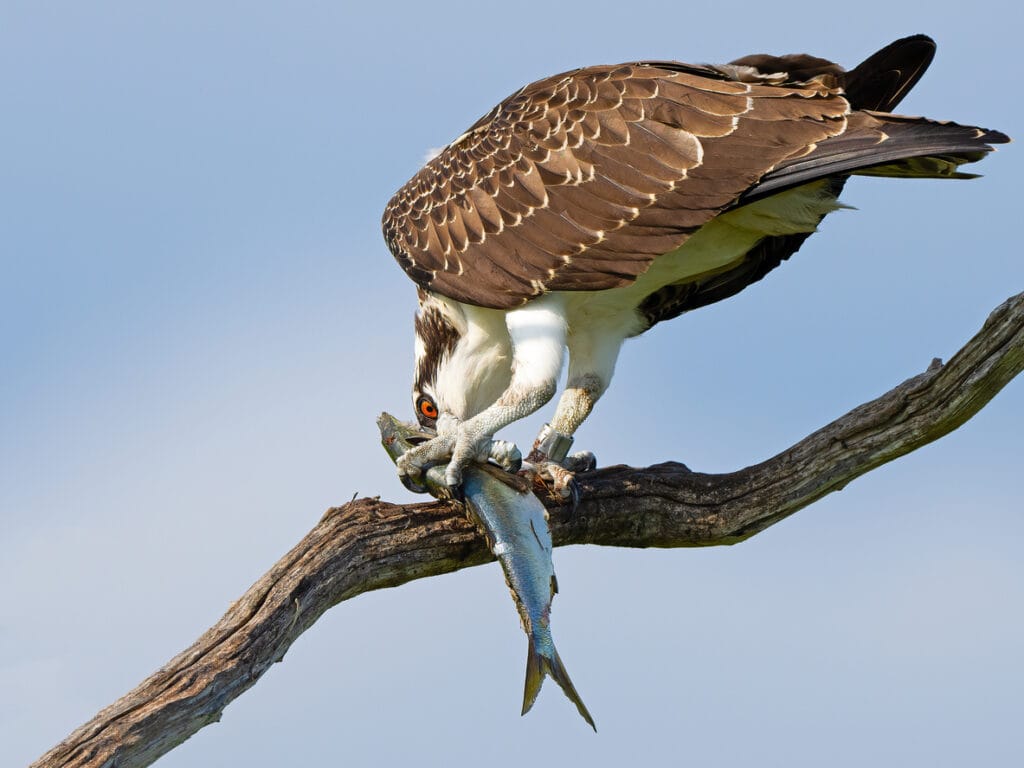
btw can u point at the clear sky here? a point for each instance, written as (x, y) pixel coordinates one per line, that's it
(199, 322)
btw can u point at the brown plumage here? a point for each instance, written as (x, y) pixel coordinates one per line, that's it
(579, 181)
(589, 206)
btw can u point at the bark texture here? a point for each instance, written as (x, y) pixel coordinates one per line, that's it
(371, 544)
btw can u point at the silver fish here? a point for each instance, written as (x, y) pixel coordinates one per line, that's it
(516, 526)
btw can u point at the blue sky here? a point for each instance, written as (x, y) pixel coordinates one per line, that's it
(200, 322)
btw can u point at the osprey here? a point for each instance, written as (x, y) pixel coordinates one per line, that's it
(589, 206)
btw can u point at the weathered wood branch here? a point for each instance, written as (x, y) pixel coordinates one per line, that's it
(371, 544)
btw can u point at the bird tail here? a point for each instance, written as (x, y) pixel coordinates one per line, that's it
(879, 144)
(539, 665)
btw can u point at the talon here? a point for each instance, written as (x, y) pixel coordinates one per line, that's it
(581, 461)
(408, 471)
(562, 480)
(574, 496)
(506, 455)
(556, 480)
(457, 492)
(407, 468)
(453, 476)
(412, 485)
(412, 464)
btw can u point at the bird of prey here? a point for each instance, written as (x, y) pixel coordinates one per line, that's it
(589, 206)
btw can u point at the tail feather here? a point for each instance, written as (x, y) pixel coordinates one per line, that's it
(538, 666)
(877, 144)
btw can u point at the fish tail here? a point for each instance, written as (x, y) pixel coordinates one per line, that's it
(538, 665)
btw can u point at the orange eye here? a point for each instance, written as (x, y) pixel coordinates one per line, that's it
(427, 408)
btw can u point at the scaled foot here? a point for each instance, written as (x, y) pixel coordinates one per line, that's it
(559, 478)
(458, 444)
(551, 464)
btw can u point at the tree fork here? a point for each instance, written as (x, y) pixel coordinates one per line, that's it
(371, 544)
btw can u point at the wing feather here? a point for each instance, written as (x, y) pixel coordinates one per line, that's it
(581, 180)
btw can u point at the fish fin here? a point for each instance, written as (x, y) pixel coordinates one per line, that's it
(537, 666)
(561, 676)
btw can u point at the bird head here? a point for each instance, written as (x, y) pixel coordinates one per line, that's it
(437, 336)
(462, 361)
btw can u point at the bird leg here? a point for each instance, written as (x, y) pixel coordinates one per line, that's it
(593, 350)
(550, 460)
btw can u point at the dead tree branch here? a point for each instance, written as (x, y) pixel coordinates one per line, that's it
(371, 544)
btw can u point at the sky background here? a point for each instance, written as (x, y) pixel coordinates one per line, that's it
(199, 322)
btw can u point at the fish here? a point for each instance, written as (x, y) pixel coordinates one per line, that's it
(515, 524)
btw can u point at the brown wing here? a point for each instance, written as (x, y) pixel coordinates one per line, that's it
(579, 181)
